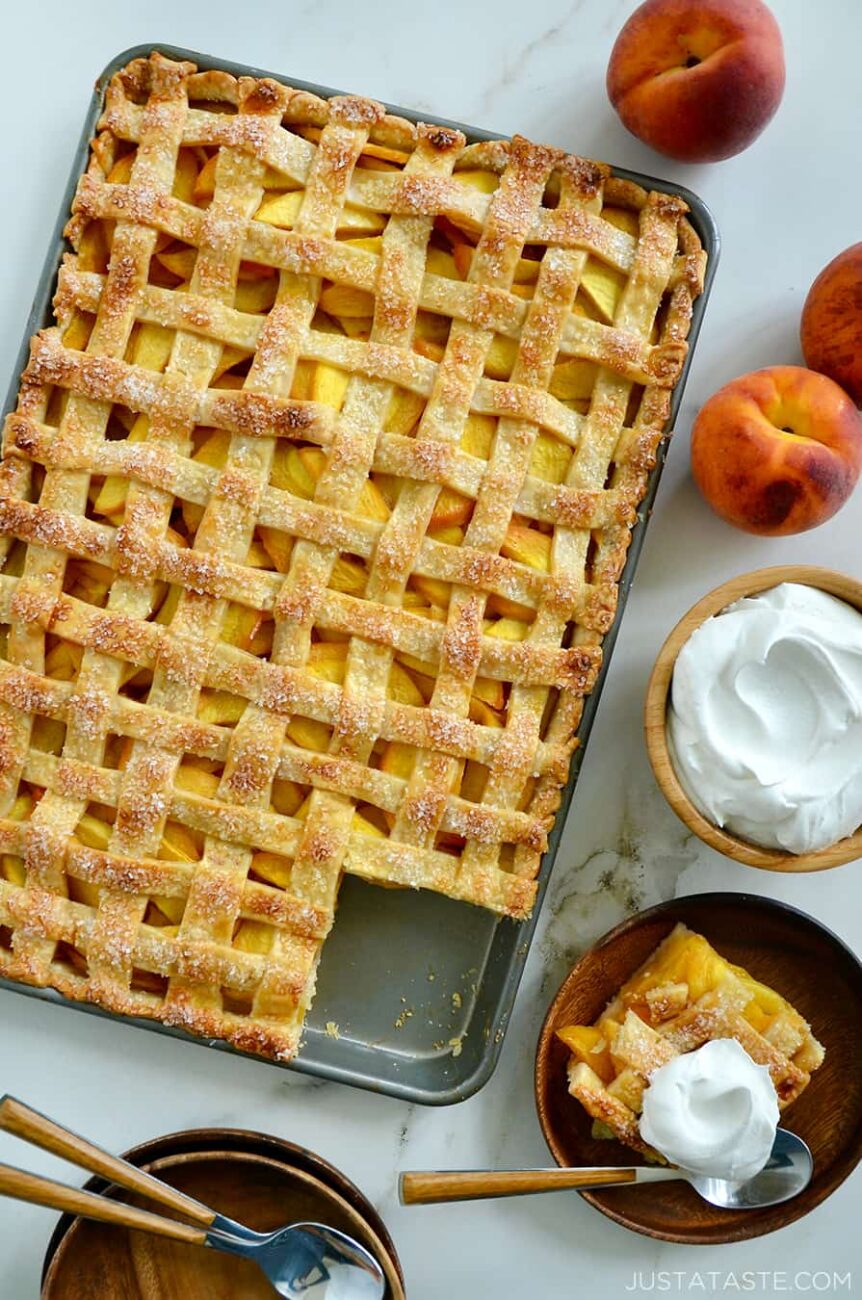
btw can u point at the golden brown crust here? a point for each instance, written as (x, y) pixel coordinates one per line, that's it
(658, 1015)
(179, 798)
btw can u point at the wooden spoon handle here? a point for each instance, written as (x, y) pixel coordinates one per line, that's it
(42, 1132)
(474, 1184)
(22, 1186)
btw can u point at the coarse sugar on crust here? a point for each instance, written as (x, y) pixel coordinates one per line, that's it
(312, 518)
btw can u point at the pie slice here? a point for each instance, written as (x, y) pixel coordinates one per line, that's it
(684, 995)
(313, 511)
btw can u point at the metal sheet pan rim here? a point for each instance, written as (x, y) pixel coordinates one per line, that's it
(523, 932)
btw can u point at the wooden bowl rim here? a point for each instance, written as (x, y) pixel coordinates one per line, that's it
(831, 581)
(377, 1247)
(382, 1249)
(746, 1229)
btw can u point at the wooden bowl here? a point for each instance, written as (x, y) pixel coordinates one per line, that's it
(785, 949)
(259, 1180)
(655, 719)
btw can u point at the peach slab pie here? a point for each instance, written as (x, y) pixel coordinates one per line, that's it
(684, 995)
(314, 507)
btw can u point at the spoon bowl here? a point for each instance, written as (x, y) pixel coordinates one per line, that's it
(787, 1172)
(305, 1261)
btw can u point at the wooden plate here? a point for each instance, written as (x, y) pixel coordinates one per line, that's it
(256, 1179)
(787, 950)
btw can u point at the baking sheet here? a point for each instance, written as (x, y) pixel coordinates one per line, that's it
(419, 987)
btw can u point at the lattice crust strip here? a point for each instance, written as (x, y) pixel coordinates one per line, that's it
(684, 995)
(313, 511)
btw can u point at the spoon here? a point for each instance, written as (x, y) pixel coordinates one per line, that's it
(303, 1261)
(787, 1173)
(307, 1260)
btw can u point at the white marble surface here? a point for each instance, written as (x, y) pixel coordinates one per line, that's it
(785, 207)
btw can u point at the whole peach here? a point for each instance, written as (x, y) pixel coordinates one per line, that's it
(832, 322)
(777, 451)
(697, 80)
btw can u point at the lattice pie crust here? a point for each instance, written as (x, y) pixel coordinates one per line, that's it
(313, 508)
(684, 995)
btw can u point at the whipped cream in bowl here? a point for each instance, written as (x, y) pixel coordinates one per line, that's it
(713, 1112)
(759, 708)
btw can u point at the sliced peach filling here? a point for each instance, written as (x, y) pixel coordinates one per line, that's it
(677, 975)
(297, 468)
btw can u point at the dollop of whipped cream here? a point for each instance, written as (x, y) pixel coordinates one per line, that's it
(712, 1111)
(765, 718)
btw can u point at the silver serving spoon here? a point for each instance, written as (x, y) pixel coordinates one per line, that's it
(787, 1173)
(303, 1261)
